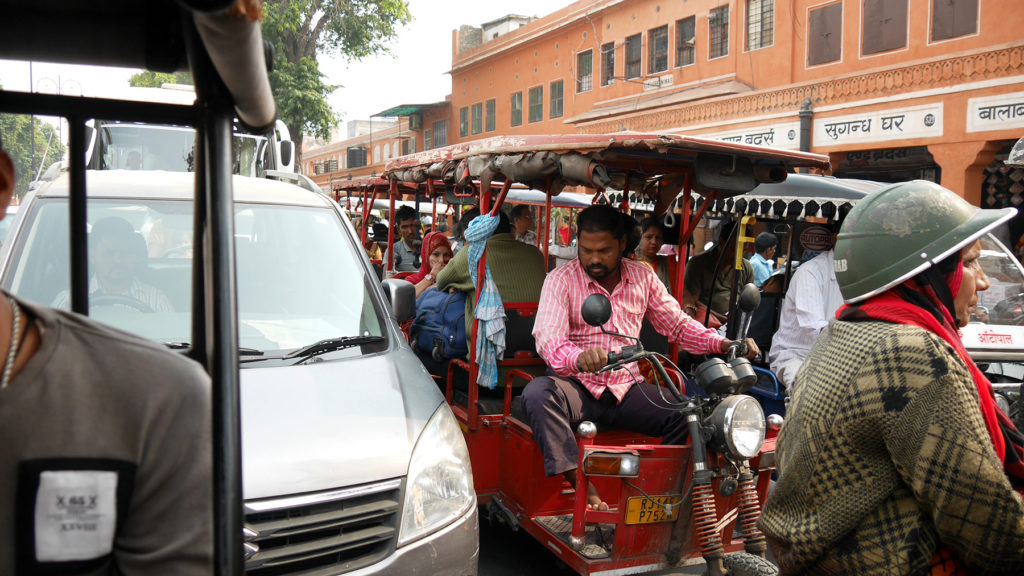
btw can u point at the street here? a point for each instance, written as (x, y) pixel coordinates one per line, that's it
(507, 553)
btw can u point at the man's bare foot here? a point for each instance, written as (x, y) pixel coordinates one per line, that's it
(594, 501)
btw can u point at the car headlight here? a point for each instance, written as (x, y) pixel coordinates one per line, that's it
(439, 487)
(739, 427)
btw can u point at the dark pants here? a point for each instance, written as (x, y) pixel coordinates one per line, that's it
(554, 406)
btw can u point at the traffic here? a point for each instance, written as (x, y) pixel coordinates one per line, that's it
(646, 351)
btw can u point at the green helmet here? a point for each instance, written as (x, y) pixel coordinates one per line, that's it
(901, 230)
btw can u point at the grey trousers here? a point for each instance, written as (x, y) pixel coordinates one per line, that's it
(555, 405)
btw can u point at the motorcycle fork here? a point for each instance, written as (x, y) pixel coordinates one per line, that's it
(704, 514)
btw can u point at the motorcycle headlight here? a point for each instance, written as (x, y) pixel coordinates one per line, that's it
(439, 487)
(739, 427)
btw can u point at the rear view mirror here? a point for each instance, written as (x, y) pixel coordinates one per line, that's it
(402, 296)
(597, 310)
(750, 298)
(287, 151)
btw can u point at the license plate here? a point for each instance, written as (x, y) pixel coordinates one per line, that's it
(644, 510)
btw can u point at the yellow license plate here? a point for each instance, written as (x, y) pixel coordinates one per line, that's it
(644, 510)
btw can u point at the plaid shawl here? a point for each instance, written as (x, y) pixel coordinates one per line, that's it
(885, 461)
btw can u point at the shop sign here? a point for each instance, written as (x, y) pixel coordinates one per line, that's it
(995, 112)
(881, 126)
(658, 82)
(785, 135)
(914, 155)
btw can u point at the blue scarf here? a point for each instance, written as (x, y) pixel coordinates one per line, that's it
(490, 312)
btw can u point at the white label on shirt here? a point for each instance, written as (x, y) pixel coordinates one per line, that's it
(76, 514)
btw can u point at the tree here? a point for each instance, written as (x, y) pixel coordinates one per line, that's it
(17, 141)
(300, 30)
(150, 79)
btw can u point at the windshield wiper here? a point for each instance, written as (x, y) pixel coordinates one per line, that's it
(242, 351)
(331, 345)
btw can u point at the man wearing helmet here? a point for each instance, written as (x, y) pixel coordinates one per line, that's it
(894, 458)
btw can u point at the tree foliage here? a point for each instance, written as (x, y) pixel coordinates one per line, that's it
(150, 79)
(300, 30)
(17, 141)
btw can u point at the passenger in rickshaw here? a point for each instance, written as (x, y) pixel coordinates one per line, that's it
(459, 236)
(810, 303)
(703, 289)
(522, 224)
(435, 254)
(407, 251)
(573, 350)
(651, 240)
(894, 457)
(517, 269)
(764, 250)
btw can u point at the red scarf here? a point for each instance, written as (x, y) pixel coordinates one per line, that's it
(889, 306)
(430, 243)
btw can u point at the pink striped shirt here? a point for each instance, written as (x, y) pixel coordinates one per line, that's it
(562, 335)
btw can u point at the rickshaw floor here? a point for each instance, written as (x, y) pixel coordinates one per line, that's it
(598, 537)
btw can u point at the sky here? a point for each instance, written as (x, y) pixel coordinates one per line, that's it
(416, 73)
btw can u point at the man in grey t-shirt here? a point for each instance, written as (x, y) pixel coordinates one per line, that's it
(407, 250)
(106, 465)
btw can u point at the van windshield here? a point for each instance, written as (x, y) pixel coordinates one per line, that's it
(129, 146)
(300, 279)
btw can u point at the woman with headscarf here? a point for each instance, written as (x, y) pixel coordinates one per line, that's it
(894, 458)
(434, 255)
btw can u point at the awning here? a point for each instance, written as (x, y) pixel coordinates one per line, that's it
(410, 109)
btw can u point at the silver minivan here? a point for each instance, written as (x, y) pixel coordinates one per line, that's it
(352, 461)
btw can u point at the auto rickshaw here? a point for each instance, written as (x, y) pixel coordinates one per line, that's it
(670, 505)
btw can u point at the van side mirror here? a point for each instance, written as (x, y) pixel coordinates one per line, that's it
(597, 310)
(287, 151)
(402, 296)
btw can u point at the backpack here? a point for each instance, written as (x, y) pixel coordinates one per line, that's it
(440, 325)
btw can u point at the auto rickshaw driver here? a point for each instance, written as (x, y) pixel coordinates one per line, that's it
(574, 351)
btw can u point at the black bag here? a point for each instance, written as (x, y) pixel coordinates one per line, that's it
(440, 325)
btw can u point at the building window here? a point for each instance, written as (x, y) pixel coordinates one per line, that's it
(825, 34)
(463, 122)
(555, 108)
(517, 109)
(657, 50)
(536, 104)
(440, 133)
(427, 142)
(608, 64)
(478, 118)
(885, 26)
(760, 23)
(718, 32)
(633, 56)
(409, 145)
(585, 71)
(953, 18)
(376, 154)
(491, 106)
(686, 41)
